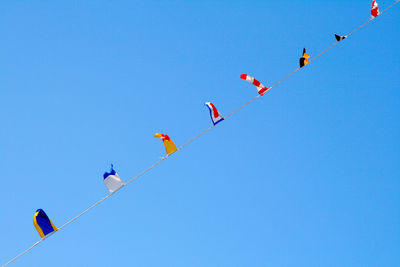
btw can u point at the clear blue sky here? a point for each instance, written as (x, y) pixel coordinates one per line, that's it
(307, 175)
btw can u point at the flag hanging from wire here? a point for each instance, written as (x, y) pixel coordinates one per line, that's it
(43, 224)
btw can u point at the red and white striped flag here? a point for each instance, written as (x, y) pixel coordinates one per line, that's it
(374, 9)
(260, 87)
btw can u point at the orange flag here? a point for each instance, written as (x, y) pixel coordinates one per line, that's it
(169, 145)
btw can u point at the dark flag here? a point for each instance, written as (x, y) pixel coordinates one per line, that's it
(339, 38)
(304, 59)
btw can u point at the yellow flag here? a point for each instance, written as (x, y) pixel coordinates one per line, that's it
(169, 145)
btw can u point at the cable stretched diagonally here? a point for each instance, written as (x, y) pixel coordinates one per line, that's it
(194, 138)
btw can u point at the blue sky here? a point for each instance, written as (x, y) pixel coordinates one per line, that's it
(307, 175)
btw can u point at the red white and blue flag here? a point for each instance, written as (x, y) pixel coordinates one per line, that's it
(260, 87)
(216, 117)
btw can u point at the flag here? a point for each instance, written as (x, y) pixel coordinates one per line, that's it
(260, 87)
(339, 38)
(169, 145)
(112, 180)
(43, 224)
(304, 59)
(216, 117)
(374, 9)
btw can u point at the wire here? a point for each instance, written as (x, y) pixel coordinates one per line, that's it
(196, 137)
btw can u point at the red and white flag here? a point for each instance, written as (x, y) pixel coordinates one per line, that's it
(260, 87)
(374, 9)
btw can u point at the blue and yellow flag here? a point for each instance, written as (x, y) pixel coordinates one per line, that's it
(43, 224)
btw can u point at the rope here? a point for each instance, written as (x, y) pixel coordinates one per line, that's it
(22, 253)
(196, 137)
